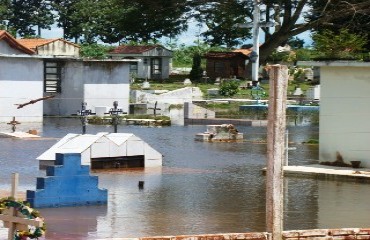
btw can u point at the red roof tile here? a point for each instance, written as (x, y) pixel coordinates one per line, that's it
(4, 35)
(33, 43)
(246, 52)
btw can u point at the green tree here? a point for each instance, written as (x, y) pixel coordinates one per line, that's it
(66, 20)
(196, 70)
(183, 55)
(221, 19)
(94, 51)
(25, 15)
(343, 45)
(144, 20)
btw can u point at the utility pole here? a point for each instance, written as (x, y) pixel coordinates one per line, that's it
(255, 25)
(256, 42)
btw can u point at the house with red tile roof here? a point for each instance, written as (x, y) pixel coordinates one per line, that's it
(51, 47)
(154, 61)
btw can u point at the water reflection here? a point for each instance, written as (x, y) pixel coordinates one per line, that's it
(202, 187)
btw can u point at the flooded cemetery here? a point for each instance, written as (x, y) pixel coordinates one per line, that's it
(202, 187)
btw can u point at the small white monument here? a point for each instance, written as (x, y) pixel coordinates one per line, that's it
(187, 82)
(146, 85)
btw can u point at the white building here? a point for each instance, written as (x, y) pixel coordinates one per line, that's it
(105, 150)
(154, 61)
(344, 111)
(26, 77)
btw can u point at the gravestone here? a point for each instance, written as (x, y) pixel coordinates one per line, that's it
(146, 85)
(187, 81)
(68, 183)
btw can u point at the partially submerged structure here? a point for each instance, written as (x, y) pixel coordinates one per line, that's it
(220, 133)
(27, 76)
(104, 151)
(344, 111)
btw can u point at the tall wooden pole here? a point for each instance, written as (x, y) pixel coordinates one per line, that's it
(276, 149)
(12, 226)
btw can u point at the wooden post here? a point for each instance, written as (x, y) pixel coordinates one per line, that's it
(12, 227)
(11, 218)
(276, 149)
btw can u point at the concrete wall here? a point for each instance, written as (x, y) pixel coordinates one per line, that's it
(97, 83)
(60, 48)
(179, 96)
(314, 234)
(6, 49)
(21, 80)
(345, 113)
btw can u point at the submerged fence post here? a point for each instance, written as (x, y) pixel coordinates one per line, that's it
(276, 149)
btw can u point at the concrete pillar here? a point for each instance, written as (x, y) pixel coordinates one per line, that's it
(276, 149)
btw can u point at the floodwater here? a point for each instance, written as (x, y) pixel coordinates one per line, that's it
(201, 188)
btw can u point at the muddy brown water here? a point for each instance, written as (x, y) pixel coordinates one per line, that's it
(201, 188)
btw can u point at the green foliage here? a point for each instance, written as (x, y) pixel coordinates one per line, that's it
(295, 43)
(221, 21)
(23, 16)
(196, 70)
(304, 54)
(183, 55)
(229, 88)
(94, 51)
(344, 45)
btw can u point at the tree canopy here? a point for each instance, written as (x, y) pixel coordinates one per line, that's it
(118, 21)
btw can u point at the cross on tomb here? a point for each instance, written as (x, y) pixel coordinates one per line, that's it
(155, 109)
(15, 220)
(13, 123)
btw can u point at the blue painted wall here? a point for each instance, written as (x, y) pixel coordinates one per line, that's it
(68, 183)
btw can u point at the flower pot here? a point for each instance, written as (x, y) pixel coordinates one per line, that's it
(355, 164)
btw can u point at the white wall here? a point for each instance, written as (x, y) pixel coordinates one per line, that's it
(6, 49)
(97, 83)
(96, 95)
(345, 113)
(60, 48)
(21, 80)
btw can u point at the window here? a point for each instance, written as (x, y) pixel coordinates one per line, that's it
(52, 77)
(219, 67)
(133, 69)
(156, 68)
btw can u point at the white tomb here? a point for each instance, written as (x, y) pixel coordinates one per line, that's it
(105, 151)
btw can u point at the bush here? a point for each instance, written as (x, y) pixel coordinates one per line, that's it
(229, 88)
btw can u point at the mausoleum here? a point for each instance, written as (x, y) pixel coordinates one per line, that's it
(105, 151)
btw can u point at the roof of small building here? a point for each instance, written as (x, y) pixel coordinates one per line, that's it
(4, 35)
(225, 55)
(128, 49)
(246, 52)
(33, 43)
(78, 143)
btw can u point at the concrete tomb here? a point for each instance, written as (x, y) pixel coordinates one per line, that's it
(68, 183)
(105, 151)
